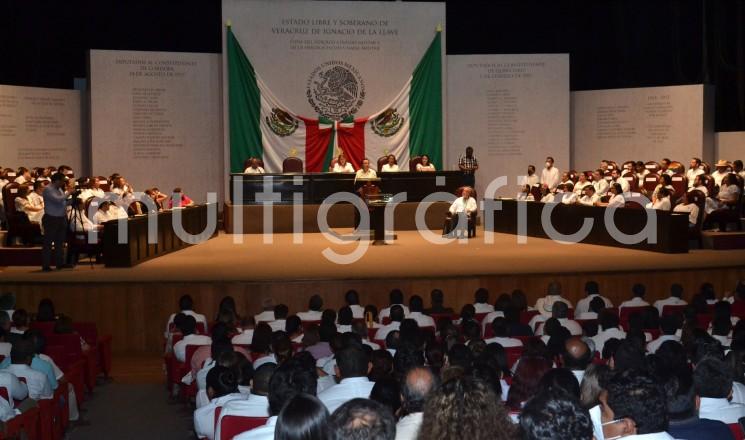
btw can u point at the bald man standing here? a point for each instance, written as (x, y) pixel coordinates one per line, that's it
(576, 357)
(418, 384)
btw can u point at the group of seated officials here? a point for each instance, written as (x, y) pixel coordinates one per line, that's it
(115, 198)
(609, 185)
(341, 165)
(431, 374)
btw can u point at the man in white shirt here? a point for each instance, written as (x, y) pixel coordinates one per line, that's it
(267, 313)
(669, 327)
(693, 170)
(721, 171)
(634, 408)
(222, 387)
(360, 328)
(21, 356)
(397, 315)
(418, 384)
(280, 318)
(352, 366)
(608, 329)
(589, 197)
(289, 379)
(713, 384)
(395, 298)
(565, 194)
(616, 175)
(641, 172)
(550, 176)
(687, 206)
(465, 205)
(253, 167)
(599, 183)
(639, 290)
(560, 311)
(315, 309)
(186, 306)
(481, 301)
(592, 290)
(416, 307)
(257, 404)
(576, 357)
(545, 305)
(352, 298)
(365, 172)
(675, 299)
(531, 179)
(500, 329)
(17, 390)
(188, 328)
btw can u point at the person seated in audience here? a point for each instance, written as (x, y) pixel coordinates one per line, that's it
(267, 311)
(316, 341)
(597, 305)
(21, 356)
(718, 207)
(675, 298)
(186, 306)
(713, 381)
(550, 175)
(108, 211)
(294, 329)
(39, 364)
(599, 183)
(222, 387)
(721, 330)
(395, 298)
(661, 200)
(23, 175)
(565, 194)
(342, 166)
(609, 329)
(640, 171)
(352, 367)
(122, 188)
(388, 393)
(188, 330)
(638, 291)
(45, 311)
(261, 346)
(481, 301)
(360, 329)
(207, 356)
(397, 315)
(589, 196)
(582, 183)
(634, 407)
(687, 205)
(257, 404)
(531, 179)
(560, 311)
(36, 201)
(246, 331)
(20, 322)
(699, 185)
(617, 199)
(24, 206)
(253, 167)
(466, 205)
(665, 182)
(500, 330)
(547, 196)
(425, 165)
(303, 418)
(557, 415)
(344, 320)
(592, 291)
(280, 317)
(565, 178)
(80, 222)
(17, 390)
(737, 168)
(545, 304)
(665, 167)
(694, 169)
(365, 172)
(362, 419)
(5, 346)
(179, 199)
(437, 301)
(617, 178)
(669, 326)
(93, 189)
(289, 379)
(352, 299)
(514, 326)
(682, 408)
(315, 309)
(525, 195)
(418, 384)
(391, 166)
(416, 312)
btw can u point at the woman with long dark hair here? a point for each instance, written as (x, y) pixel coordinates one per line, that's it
(303, 417)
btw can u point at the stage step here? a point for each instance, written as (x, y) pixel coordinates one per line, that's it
(20, 256)
(724, 240)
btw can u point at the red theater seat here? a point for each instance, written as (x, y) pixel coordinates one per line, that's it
(230, 426)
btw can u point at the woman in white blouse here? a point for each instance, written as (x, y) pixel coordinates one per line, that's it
(391, 166)
(719, 208)
(661, 200)
(616, 197)
(687, 206)
(425, 165)
(342, 166)
(34, 213)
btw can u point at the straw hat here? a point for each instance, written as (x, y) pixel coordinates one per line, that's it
(722, 163)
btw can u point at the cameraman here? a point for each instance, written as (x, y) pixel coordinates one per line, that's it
(54, 222)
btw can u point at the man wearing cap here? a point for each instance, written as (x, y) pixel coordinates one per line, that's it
(54, 222)
(721, 171)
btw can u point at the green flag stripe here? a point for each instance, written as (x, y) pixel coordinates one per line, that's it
(329, 152)
(425, 105)
(244, 106)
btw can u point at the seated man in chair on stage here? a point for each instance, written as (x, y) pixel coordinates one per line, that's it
(463, 207)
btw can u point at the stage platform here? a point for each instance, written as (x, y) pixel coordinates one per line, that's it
(133, 303)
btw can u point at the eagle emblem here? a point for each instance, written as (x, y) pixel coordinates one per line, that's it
(281, 123)
(387, 123)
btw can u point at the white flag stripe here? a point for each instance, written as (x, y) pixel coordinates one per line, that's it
(278, 148)
(377, 146)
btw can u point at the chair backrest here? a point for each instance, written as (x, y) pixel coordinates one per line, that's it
(292, 165)
(479, 317)
(672, 310)
(737, 431)
(535, 190)
(626, 312)
(527, 315)
(513, 354)
(190, 350)
(653, 167)
(46, 328)
(230, 426)
(679, 183)
(87, 331)
(413, 162)
(9, 196)
(633, 181)
(247, 162)
(650, 182)
(438, 316)
(382, 160)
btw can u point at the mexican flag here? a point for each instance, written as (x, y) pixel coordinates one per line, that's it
(261, 127)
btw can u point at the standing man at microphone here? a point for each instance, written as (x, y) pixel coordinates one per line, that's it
(468, 164)
(54, 222)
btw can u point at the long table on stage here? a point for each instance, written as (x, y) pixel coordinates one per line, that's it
(316, 187)
(136, 249)
(671, 228)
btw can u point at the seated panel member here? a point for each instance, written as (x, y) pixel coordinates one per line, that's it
(253, 167)
(616, 175)
(391, 166)
(464, 203)
(525, 195)
(582, 182)
(426, 165)
(531, 179)
(179, 199)
(342, 166)
(589, 197)
(366, 172)
(691, 208)
(599, 183)
(661, 201)
(616, 197)
(568, 197)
